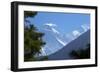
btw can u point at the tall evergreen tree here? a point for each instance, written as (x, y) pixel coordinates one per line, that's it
(32, 39)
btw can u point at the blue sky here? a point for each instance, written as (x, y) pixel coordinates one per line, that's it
(66, 23)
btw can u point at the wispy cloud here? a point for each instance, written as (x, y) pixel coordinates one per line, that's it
(50, 24)
(76, 33)
(58, 36)
(85, 27)
(69, 37)
(55, 31)
(61, 41)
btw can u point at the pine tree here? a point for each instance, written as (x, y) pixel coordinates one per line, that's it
(32, 39)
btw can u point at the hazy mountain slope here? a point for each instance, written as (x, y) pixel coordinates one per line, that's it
(78, 43)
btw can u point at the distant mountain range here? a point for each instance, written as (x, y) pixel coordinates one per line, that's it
(78, 43)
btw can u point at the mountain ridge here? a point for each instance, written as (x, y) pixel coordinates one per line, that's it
(77, 43)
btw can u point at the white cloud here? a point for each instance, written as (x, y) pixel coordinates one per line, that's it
(69, 37)
(55, 31)
(61, 41)
(76, 33)
(85, 27)
(50, 24)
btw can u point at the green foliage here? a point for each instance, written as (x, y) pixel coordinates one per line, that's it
(44, 58)
(29, 14)
(81, 53)
(32, 39)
